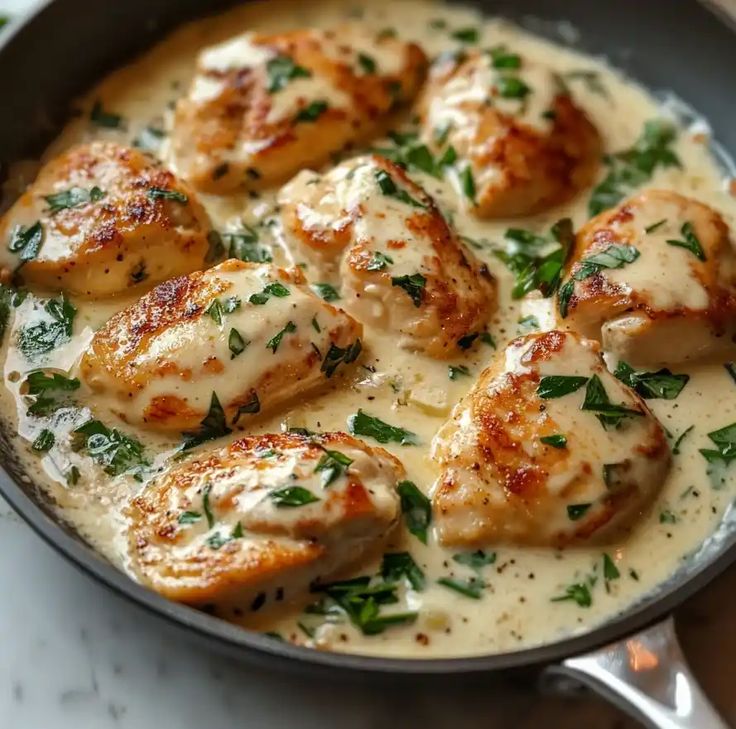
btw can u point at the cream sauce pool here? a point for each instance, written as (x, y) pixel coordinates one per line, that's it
(516, 608)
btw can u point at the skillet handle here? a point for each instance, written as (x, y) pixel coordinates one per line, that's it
(646, 676)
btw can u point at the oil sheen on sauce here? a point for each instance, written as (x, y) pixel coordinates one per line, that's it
(516, 608)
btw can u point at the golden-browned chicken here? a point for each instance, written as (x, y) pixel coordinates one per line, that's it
(102, 218)
(263, 517)
(521, 142)
(655, 280)
(368, 230)
(548, 447)
(263, 106)
(240, 337)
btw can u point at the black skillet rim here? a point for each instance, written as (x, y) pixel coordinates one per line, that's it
(251, 645)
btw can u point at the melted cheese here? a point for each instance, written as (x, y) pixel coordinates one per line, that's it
(405, 388)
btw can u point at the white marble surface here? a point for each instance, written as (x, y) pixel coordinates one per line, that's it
(74, 656)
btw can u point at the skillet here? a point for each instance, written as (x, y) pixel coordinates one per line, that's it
(675, 44)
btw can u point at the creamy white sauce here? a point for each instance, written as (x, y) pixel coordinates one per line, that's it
(407, 389)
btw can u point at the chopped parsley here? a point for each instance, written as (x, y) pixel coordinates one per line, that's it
(236, 344)
(217, 309)
(116, 452)
(214, 425)
(292, 496)
(361, 601)
(501, 57)
(512, 87)
(379, 261)
(691, 241)
(472, 587)
(475, 560)
(725, 441)
(252, 407)
(554, 386)
(416, 508)
(680, 438)
(597, 401)
(244, 245)
(465, 35)
(655, 226)
(74, 197)
(326, 291)
(49, 392)
(340, 355)
(48, 334)
(389, 188)
(26, 242)
(311, 112)
(281, 70)
(467, 183)
(556, 441)
(616, 255)
(610, 571)
(413, 285)
(331, 466)
(44, 441)
(275, 341)
(273, 289)
(667, 517)
(661, 384)
(455, 371)
(579, 593)
(633, 167)
(398, 565)
(159, 193)
(577, 511)
(367, 425)
(367, 63)
(106, 119)
(530, 259)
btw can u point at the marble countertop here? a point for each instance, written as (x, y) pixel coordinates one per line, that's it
(75, 656)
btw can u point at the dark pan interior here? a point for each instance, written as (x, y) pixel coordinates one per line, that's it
(665, 44)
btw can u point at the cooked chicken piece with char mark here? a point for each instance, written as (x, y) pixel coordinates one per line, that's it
(522, 143)
(365, 228)
(243, 337)
(654, 280)
(102, 218)
(264, 516)
(547, 448)
(261, 107)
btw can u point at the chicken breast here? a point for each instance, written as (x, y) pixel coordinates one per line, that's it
(262, 518)
(547, 448)
(101, 219)
(263, 106)
(368, 230)
(224, 344)
(521, 142)
(655, 280)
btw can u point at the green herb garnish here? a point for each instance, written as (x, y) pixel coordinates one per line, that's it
(363, 424)
(281, 70)
(413, 285)
(292, 496)
(396, 565)
(340, 355)
(416, 508)
(212, 426)
(691, 241)
(661, 384)
(554, 386)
